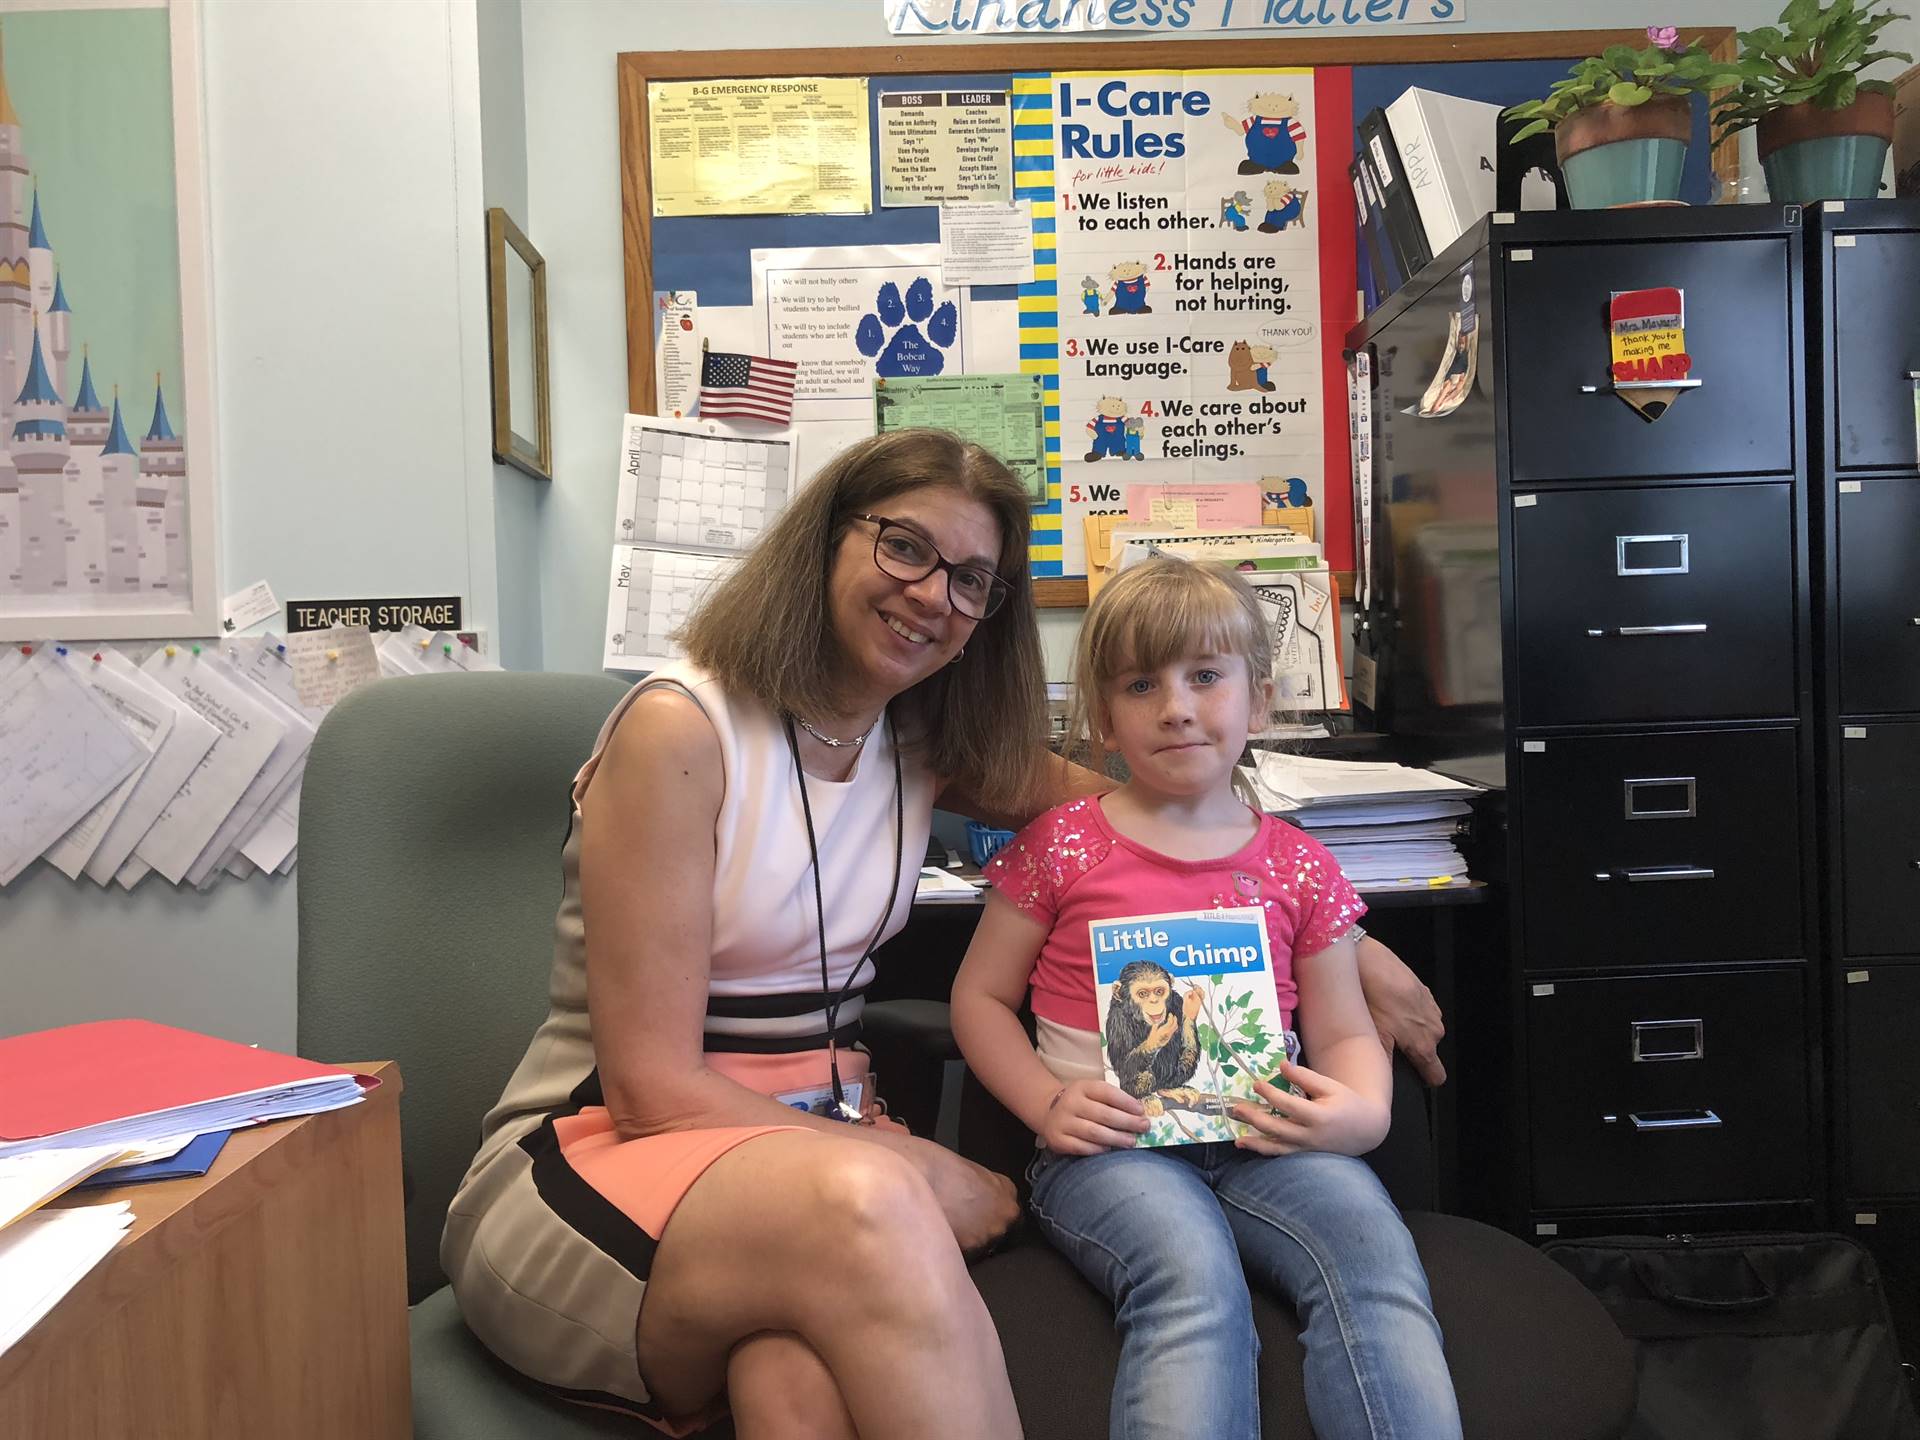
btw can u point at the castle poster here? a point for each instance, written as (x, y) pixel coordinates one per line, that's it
(106, 430)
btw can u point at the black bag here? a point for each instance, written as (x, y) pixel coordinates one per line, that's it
(1751, 1337)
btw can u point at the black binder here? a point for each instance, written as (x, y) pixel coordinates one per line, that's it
(1397, 205)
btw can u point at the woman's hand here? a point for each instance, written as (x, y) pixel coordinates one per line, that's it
(1329, 1116)
(1091, 1116)
(1403, 1010)
(979, 1204)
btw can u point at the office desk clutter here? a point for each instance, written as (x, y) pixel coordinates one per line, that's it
(1390, 826)
(186, 760)
(114, 1101)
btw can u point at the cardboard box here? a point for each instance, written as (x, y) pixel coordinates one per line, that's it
(1906, 134)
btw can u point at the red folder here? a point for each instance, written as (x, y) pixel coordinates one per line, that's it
(80, 1075)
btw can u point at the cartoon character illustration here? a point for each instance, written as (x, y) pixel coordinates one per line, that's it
(1089, 295)
(1108, 429)
(1293, 497)
(1136, 434)
(1272, 134)
(1241, 367)
(1129, 289)
(1235, 208)
(1263, 356)
(1285, 206)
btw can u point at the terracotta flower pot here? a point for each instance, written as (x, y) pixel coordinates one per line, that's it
(1813, 154)
(1624, 154)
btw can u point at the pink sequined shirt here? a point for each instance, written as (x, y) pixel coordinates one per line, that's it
(1070, 866)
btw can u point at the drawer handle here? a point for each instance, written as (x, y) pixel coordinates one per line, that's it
(1657, 1040)
(1675, 1120)
(1695, 628)
(1639, 874)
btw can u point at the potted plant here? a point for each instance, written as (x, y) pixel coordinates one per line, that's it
(1822, 131)
(1621, 119)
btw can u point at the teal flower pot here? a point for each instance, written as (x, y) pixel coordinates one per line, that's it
(1813, 154)
(1624, 154)
(1627, 172)
(1835, 167)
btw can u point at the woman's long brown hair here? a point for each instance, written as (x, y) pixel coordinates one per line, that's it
(767, 630)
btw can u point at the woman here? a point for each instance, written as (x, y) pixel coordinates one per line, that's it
(745, 832)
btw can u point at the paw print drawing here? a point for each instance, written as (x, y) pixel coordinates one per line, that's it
(890, 333)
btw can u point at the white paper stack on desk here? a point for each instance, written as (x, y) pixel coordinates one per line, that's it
(1390, 826)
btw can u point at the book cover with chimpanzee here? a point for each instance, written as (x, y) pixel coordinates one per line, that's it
(1189, 1017)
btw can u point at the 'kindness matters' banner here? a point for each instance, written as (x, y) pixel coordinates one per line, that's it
(1046, 17)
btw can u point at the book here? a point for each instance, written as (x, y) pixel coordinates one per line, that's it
(1446, 146)
(1189, 1017)
(1389, 176)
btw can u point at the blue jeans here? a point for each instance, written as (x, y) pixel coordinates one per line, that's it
(1173, 1236)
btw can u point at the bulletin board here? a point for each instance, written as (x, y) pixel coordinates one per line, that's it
(1189, 329)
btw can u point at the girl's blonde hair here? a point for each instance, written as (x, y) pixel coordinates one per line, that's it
(1153, 615)
(767, 631)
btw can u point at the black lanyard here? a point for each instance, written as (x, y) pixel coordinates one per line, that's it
(829, 997)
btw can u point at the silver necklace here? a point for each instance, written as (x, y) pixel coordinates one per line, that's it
(855, 743)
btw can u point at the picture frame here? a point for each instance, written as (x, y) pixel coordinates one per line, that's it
(517, 343)
(126, 334)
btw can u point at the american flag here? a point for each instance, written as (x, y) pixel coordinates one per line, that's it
(746, 385)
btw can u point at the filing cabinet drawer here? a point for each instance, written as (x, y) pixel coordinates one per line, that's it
(1685, 1089)
(1876, 343)
(1879, 526)
(1667, 603)
(1661, 849)
(1738, 421)
(1883, 1083)
(1880, 838)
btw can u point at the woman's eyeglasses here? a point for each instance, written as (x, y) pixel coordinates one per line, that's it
(905, 554)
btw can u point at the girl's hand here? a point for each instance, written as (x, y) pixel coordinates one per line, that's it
(1328, 1116)
(1090, 1116)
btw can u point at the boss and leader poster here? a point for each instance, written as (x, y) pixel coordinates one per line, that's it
(1194, 279)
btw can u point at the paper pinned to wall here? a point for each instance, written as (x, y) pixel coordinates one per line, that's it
(1006, 414)
(248, 732)
(144, 708)
(676, 351)
(945, 147)
(650, 595)
(698, 484)
(987, 244)
(329, 665)
(849, 315)
(790, 146)
(62, 751)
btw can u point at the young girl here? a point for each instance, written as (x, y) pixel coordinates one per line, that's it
(1171, 674)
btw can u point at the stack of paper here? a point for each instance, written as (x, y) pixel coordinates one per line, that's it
(120, 1083)
(1389, 826)
(29, 1181)
(937, 886)
(46, 1254)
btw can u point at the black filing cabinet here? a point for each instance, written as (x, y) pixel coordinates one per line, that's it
(1648, 691)
(1864, 323)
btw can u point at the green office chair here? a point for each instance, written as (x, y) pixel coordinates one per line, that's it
(431, 823)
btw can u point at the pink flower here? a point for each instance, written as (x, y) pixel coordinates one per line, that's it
(1664, 37)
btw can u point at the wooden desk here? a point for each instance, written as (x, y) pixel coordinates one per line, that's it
(266, 1298)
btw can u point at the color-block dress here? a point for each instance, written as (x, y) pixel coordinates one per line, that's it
(549, 1240)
